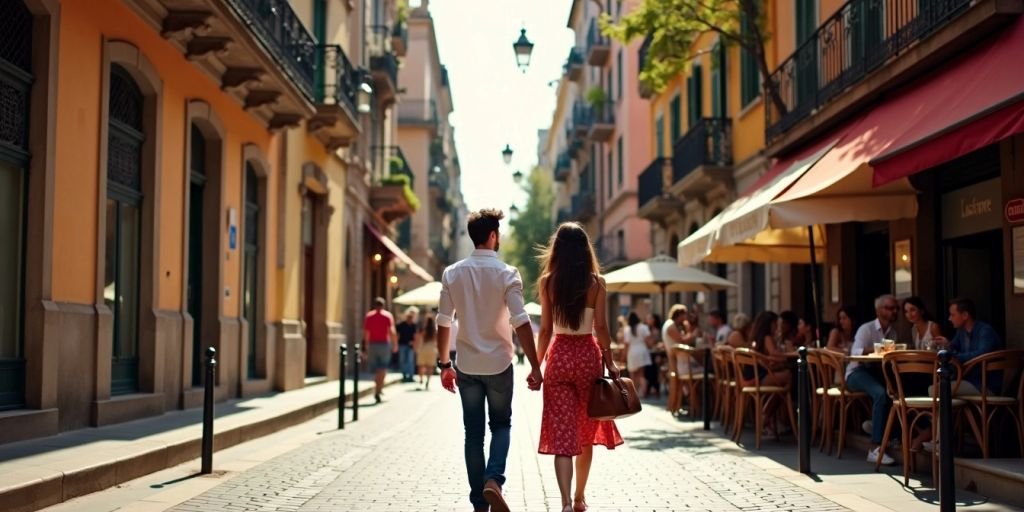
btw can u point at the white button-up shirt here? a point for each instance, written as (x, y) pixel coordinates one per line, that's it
(865, 339)
(487, 293)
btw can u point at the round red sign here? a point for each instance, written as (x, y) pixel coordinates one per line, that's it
(1015, 210)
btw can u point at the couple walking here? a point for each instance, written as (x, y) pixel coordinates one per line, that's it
(488, 296)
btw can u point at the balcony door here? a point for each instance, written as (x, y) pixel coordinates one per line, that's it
(253, 261)
(196, 222)
(15, 82)
(807, 51)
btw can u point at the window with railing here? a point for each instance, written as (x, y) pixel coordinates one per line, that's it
(707, 143)
(284, 36)
(859, 38)
(750, 76)
(651, 183)
(340, 82)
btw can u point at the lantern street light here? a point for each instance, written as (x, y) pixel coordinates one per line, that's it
(517, 177)
(523, 48)
(363, 96)
(506, 154)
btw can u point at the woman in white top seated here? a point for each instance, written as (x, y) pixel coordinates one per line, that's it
(924, 330)
(637, 338)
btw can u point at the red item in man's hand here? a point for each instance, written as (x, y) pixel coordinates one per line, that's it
(448, 379)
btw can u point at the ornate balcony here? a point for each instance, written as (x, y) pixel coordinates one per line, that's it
(602, 122)
(583, 206)
(702, 157)
(259, 50)
(400, 39)
(599, 48)
(563, 167)
(611, 252)
(383, 64)
(336, 121)
(392, 195)
(574, 65)
(654, 201)
(839, 68)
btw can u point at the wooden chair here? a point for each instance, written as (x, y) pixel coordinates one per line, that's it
(725, 384)
(752, 392)
(1008, 365)
(691, 380)
(838, 399)
(819, 388)
(909, 409)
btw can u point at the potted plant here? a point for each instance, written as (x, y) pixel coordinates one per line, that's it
(597, 98)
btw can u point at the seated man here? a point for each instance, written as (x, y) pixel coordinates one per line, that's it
(868, 379)
(973, 338)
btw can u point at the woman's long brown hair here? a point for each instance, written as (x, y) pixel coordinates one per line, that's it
(568, 265)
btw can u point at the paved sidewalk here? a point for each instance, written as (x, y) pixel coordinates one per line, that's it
(406, 454)
(41, 472)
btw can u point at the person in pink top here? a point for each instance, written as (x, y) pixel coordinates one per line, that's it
(379, 341)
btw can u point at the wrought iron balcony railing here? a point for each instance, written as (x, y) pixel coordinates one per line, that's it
(610, 250)
(382, 57)
(596, 42)
(582, 116)
(859, 38)
(563, 166)
(583, 205)
(282, 33)
(707, 143)
(391, 161)
(340, 81)
(651, 184)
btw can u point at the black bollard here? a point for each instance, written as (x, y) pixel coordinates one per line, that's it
(356, 360)
(947, 480)
(211, 370)
(804, 406)
(706, 398)
(343, 351)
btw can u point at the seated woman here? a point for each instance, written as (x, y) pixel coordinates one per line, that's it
(740, 335)
(841, 338)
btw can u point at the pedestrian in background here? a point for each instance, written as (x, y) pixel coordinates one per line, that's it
(408, 330)
(426, 351)
(637, 338)
(380, 340)
(573, 299)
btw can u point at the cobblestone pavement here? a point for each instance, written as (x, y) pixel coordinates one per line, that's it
(408, 457)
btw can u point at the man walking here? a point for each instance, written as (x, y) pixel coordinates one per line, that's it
(379, 341)
(488, 296)
(407, 331)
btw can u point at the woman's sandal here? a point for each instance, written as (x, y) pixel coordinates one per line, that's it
(579, 506)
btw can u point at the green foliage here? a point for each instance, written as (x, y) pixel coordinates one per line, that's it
(674, 25)
(596, 96)
(403, 181)
(531, 229)
(396, 164)
(402, 12)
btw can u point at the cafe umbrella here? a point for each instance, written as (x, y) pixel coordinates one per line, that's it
(662, 274)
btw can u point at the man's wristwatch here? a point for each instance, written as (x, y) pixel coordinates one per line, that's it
(443, 366)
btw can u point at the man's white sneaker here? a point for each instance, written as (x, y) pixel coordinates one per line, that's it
(886, 459)
(866, 427)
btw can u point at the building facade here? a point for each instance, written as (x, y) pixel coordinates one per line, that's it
(182, 179)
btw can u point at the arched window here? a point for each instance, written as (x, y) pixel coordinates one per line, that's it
(15, 85)
(121, 291)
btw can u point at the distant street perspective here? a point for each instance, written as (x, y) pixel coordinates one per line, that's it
(511, 255)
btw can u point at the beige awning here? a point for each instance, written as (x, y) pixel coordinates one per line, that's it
(426, 295)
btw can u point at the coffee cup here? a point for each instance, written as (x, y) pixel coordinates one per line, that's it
(878, 348)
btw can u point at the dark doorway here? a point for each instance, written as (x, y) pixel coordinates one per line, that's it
(310, 245)
(873, 266)
(973, 268)
(196, 221)
(251, 306)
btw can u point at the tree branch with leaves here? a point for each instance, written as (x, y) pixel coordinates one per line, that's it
(531, 229)
(675, 25)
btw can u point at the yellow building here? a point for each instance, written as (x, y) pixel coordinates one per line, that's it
(175, 180)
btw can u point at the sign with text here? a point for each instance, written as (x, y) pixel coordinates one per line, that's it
(972, 209)
(1015, 210)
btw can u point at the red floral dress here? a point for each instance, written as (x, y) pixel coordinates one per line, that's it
(573, 364)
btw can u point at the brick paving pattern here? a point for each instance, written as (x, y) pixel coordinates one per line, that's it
(408, 456)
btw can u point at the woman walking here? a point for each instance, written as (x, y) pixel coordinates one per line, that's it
(637, 337)
(426, 352)
(573, 299)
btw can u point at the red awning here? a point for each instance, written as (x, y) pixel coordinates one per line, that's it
(393, 248)
(972, 102)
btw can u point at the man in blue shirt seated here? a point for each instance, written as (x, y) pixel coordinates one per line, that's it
(973, 338)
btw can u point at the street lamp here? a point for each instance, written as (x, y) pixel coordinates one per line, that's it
(517, 177)
(523, 48)
(513, 211)
(363, 96)
(506, 154)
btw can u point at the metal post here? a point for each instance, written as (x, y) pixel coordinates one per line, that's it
(356, 360)
(947, 482)
(816, 312)
(706, 398)
(343, 351)
(804, 400)
(211, 367)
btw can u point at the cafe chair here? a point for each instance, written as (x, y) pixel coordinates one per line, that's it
(838, 399)
(758, 395)
(911, 409)
(819, 389)
(692, 380)
(725, 402)
(1000, 374)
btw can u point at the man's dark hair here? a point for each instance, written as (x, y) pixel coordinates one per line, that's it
(965, 305)
(379, 302)
(481, 223)
(717, 314)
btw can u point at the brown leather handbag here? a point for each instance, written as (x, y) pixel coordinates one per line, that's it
(613, 398)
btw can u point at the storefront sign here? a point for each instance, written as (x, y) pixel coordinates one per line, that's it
(1015, 210)
(972, 209)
